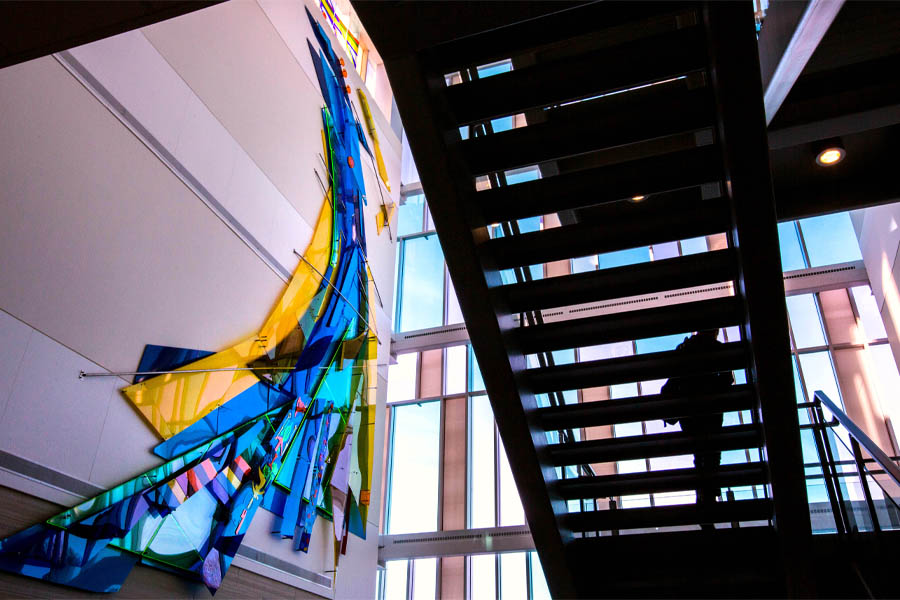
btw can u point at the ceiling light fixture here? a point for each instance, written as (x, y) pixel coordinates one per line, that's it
(637, 198)
(830, 152)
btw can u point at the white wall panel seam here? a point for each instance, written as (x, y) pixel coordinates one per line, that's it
(71, 64)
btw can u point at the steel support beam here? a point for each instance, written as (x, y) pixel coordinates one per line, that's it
(742, 134)
(791, 33)
(29, 30)
(448, 186)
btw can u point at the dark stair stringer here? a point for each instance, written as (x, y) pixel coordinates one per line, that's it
(691, 140)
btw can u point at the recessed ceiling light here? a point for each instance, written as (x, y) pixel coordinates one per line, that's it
(830, 152)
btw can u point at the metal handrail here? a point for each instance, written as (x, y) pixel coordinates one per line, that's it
(859, 435)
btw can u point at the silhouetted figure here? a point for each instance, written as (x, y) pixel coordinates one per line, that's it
(701, 427)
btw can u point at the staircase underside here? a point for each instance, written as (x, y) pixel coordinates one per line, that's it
(611, 103)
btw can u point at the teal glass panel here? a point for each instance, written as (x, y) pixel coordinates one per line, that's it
(830, 239)
(422, 283)
(411, 214)
(789, 243)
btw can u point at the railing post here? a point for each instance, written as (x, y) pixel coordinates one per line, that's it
(861, 469)
(828, 474)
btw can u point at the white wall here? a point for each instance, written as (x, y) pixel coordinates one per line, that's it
(153, 189)
(878, 230)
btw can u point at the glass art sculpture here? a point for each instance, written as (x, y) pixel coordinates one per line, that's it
(283, 420)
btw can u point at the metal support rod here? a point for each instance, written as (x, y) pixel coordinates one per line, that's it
(860, 468)
(337, 291)
(82, 374)
(827, 474)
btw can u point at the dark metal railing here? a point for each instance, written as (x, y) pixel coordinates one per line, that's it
(840, 437)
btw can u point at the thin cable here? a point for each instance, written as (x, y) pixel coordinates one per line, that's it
(338, 292)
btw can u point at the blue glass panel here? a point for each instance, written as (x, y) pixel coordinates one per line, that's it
(622, 258)
(409, 218)
(421, 284)
(830, 239)
(789, 243)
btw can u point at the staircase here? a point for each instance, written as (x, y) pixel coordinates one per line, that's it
(612, 103)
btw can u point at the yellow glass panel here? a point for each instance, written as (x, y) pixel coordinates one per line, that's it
(174, 401)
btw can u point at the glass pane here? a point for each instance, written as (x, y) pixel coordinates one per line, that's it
(805, 321)
(789, 242)
(422, 284)
(830, 239)
(409, 219)
(513, 576)
(603, 351)
(584, 264)
(868, 312)
(424, 579)
(694, 246)
(395, 580)
(402, 378)
(622, 258)
(483, 577)
(818, 374)
(667, 250)
(414, 468)
(511, 512)
(539, 589)
(476, 383)
(798, 391)
(659, 344)
(481, 463)
(454, 314)
(455, 372)
(501, 66)
(521, 176)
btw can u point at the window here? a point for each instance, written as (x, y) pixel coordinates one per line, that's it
(817, 241)
(414, 468)
(508, 576)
